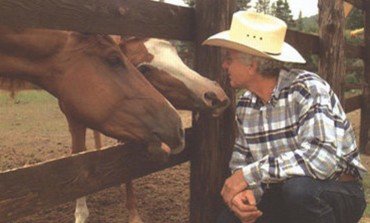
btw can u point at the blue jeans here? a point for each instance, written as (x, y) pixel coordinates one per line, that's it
(306, 200)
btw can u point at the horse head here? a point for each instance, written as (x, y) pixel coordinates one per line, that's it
(95, 83)
(160, 63)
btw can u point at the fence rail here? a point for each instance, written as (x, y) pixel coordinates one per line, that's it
(121, 17)
(26, 190)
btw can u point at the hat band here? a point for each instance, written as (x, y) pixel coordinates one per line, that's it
(273, 54)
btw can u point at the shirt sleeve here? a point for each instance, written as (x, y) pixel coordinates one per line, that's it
(240, 157)
(241, 154)
(320, 121)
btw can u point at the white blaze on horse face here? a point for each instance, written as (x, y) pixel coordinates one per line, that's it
(165, 58)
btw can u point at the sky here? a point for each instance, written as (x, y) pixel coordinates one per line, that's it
(308, 7)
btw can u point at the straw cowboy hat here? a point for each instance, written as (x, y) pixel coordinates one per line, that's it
(257, 34)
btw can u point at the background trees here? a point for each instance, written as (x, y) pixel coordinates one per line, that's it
(263, 6)
(282, 10)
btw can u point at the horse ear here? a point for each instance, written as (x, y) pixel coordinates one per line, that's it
(125, 39)
(116, 38)
(122, 44)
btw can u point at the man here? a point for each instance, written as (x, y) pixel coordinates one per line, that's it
(295, 159)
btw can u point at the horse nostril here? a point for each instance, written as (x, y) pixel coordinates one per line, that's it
(211, 96)
(143, 69)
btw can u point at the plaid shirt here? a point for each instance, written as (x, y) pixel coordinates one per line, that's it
(301, 131)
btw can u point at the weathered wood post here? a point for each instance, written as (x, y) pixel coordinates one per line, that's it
(365, 105)
(331, 25)
(214, 137)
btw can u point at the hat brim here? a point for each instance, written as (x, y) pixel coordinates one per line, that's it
(222, 39)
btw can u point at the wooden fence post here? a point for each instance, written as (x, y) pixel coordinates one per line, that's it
(214, 137)
(331, 24)
(365, 105)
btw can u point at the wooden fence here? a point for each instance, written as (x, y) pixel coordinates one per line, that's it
(209, 142)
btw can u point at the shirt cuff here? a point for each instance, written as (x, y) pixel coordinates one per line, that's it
(252, 175)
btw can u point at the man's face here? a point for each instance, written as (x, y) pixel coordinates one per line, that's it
(239, 73)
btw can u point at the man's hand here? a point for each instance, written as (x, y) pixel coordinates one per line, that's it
(244, 207)
(232, 186)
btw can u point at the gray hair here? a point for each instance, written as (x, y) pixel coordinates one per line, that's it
(266, 66)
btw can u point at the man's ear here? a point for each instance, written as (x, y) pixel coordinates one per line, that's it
(253, 66)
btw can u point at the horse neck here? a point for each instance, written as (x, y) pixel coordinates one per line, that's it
(28, 54)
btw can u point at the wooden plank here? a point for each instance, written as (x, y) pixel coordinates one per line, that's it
(350, 86)
(307, 43)
(214, 136)
(30, 189)
(124, 17)
(353, 103)
(304, 42)
(354, 51)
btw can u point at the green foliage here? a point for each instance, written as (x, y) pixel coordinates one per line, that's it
(263, 6)
(299, 22)
(353, 78)
(309, 24)
(355, 71)
(353, 40)
(243, 4)
(355, 19)
(281, 9)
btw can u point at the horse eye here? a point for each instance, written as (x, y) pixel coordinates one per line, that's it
(144, 69)
(115, 61)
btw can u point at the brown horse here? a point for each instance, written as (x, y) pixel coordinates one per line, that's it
(159, 62)
(97, 87)
(186, 89)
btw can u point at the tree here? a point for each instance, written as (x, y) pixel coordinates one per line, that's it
(263, 6)
(310, 24)
(281, 9)
(242, 4)
(299, 22)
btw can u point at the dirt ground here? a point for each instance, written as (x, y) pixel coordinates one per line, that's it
(32, 129)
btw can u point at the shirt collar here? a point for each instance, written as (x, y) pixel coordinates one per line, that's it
(284, 80)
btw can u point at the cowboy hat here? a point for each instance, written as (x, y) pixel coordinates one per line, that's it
(257, 34)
